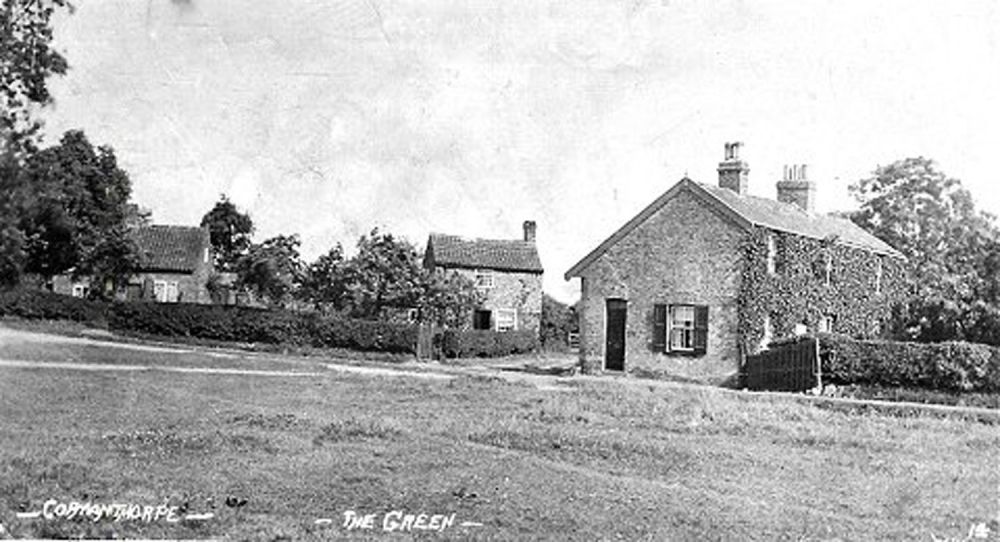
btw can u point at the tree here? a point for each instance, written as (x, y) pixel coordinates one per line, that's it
(447, 298)
(558, 320)
(229, 231)
(27, 60)
(272, 270)
(323, 283)
(72, 205)
(384, 273)
(952, 249)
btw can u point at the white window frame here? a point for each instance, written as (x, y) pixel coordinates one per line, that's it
(502, 314)
(684, 332)
(484, 279)
(825, 324)
(162, 291)
(772, 250)
(801, 329)
(828, 267)
(767, 334)
(80, 290)
(878, 275)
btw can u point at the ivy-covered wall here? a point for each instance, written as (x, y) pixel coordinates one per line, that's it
(798, 291)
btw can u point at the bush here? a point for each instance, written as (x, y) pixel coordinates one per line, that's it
(37, 304)
(947, 366)
(482, 343)
(214, 322)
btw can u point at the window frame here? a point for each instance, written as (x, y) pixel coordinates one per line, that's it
(484, 279)
(499, 315)
(664, 327)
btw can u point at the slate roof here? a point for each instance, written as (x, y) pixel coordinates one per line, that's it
(501, 254)
(170, 248)
(749, 211)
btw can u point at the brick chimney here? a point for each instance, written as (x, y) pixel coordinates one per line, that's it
(795, 188)
(529, 231)
(733, 172)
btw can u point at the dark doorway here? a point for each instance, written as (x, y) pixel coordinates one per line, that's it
(481, 319)
(614, 349)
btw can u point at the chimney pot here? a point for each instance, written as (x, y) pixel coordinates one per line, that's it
(733, 172)
(530, 229)
(796, 189)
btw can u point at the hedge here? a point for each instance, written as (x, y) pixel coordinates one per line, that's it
(222, 323)
(947, 366)
(482, 343)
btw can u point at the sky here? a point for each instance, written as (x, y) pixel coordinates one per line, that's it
(330, 118)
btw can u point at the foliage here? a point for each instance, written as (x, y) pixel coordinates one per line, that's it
(447, 298)
(273, 269)
(36, 304)
(953, 250)
(795, 293)
(72, 201)
(214, 322)
(482, 343)
(27, 60)
(323, 283)
(948, 366)
(229, 231)
(384, 273)
(558, 320)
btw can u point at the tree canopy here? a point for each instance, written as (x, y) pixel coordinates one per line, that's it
(230, 232)
(951, 248)
(72, 203)
(272, 269)
(27, 60)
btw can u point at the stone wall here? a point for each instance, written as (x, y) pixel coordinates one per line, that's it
(685, 253)
(514, 290)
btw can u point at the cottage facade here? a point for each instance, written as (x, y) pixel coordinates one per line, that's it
(706, 274)
(175, 264)
(507, 271)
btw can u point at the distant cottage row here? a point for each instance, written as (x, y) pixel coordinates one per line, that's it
(700, 278)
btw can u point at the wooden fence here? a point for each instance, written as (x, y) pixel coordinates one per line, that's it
(426, 347)
(793, 366)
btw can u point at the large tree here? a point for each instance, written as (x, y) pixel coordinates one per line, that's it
(385, 272)
(27, 60)
(230, 231)
(951, 248)
(272, 270)
(324, 281)
(73, 204)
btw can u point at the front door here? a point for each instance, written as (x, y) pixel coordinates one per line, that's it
(614, 348)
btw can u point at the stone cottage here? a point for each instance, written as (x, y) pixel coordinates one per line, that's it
(175, 264)
(507, 271)
(707, 274)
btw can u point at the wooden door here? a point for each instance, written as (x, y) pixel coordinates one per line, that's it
(614, 348)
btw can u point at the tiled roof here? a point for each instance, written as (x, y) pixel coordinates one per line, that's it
(170, 248)
(502, 254)
(749, 211)
(790, 218)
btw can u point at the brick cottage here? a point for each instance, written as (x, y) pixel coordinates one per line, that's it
(706, 274)
(507, 271)
(175, 264)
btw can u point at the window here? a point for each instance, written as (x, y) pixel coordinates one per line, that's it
(481, 319)
(801, 329)
(165, 292)
(827, 268)
(772, 250)
(878, 275)
(826, 324)
(204, 257)
(767, 334)
(680, 328)
(506, 319)
(484, 279)
(80, 290)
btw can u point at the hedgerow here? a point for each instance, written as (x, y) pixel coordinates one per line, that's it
(947, 366)
(483, 343)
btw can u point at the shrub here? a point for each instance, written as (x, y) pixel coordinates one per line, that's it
(947, 366)
(482, 343)
(37, 304)
(214, 322)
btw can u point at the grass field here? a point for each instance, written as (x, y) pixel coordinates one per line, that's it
(597, 461)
